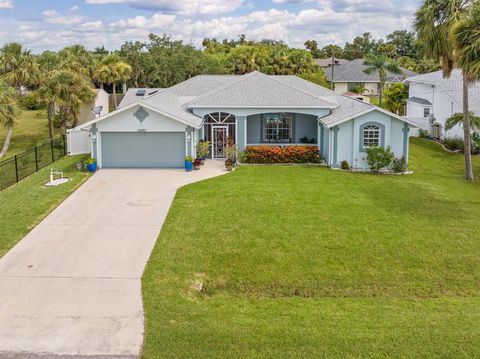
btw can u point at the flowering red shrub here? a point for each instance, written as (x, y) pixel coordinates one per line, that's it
(277, 154)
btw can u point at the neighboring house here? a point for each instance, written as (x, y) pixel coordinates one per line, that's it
(349, 76)
(433, 99)
(159, 130)
(86, 112)
(358, 96)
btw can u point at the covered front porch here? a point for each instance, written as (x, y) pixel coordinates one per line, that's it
(260, 129)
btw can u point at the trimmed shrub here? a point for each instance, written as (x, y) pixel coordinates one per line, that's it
(277, 154)
(399, 165)
(379, 158)
(475, 143)
(454, 143)
(344, 165)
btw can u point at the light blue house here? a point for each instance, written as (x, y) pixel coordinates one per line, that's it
(157, 128)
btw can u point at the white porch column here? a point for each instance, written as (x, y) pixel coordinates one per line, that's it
(241, 132)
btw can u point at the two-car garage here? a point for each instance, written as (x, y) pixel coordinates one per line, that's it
(140, 136)
(142, 149)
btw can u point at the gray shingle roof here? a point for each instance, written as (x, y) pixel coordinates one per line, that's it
(328, 62)
(452, 86)
(354, 72)
(259, 90)
(200, 84)
(131, 95)
(251, 90)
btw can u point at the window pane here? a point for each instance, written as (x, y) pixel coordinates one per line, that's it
(371, 136)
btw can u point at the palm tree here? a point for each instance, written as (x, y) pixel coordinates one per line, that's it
(381, 64)
(435, 22)
(17, 66)
(124, 71)
(457, 119)
(466, 38)
(112, 70)
(63, 92)
(7, 114)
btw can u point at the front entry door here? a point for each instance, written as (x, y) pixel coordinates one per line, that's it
(219, 141)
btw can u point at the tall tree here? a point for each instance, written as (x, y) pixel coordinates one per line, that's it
(404, 42)
(381, 64)
(466, 37)
(17, 66)
(124, 71)
(63, 92)
(7, 114)
(435, 22)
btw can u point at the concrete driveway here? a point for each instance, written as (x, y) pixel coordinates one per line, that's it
(72, 286)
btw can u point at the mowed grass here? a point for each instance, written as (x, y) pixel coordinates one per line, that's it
(31, 129)
(309, 262)
(25, 204)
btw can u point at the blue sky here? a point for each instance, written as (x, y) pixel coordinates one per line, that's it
(53, 24)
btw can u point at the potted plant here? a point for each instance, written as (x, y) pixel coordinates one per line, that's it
(229, 164)
(91, 164)
(80, 165)
(231, 153)
(188, 163)
(197, 163)
(203, 149)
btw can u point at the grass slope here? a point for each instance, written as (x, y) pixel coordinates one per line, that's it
(30, 129)
(26, 203)
(310, 262)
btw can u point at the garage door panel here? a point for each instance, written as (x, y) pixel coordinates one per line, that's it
(143, 150)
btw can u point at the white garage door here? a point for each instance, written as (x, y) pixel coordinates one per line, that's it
(143, 150)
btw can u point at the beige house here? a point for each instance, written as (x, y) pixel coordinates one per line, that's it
(350, 76)
(86, 112)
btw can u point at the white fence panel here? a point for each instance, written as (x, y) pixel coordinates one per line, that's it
(78, 142)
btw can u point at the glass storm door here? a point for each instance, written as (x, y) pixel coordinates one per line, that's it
(219, 141)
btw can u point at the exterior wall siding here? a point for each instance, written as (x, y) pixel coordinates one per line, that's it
(442, 107)
(349, 137)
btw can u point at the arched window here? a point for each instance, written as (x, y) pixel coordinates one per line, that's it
(371, 134)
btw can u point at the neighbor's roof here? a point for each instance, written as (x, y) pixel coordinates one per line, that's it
(453, 87)
(328, 62)
(259, 90)
(420, 101)
(131, 95)
(354, 72)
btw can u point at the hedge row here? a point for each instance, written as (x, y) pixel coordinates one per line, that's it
(287, 154)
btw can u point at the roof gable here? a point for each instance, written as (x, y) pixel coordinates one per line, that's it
(258, 90)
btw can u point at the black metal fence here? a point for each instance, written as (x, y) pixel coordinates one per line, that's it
(24, 164)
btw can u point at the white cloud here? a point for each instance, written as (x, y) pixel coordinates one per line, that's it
(74, 8)
(54, 17)
(92, 26)
(6, 4)
(322, 20)
(183, 7)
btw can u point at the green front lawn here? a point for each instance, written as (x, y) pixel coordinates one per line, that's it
(311, 262)
(25, 204)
